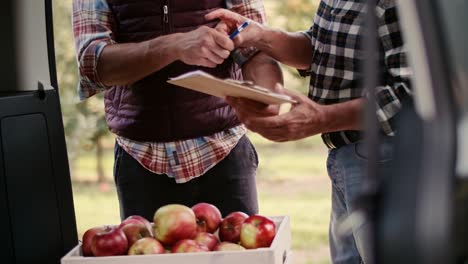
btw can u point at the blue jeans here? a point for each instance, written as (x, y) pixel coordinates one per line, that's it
(347, 167)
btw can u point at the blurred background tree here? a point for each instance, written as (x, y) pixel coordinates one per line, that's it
(292, 15)
(295, 15)
(85, 126)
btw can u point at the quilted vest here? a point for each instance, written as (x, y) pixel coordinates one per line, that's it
(151, 109)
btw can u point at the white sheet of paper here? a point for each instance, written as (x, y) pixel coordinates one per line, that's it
(203, 82)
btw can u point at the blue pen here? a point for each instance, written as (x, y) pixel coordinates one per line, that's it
(239, 30)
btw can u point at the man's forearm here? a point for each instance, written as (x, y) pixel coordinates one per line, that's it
(123, 64)
(344, 116)
(263, 71)
(293, 49)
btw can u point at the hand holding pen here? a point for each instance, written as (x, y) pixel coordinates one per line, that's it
(239, 30)
(233, 24)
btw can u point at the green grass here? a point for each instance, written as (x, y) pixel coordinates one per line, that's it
(308, 213)
(94, 207)
(291, 181)
(282, 165)
(86, 167)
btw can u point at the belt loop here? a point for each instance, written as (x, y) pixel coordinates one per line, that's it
(328, 142)
(345, 137)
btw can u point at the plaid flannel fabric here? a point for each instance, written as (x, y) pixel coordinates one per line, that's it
(186, 159)
(336, 76)
(252, 9)
(93, 28)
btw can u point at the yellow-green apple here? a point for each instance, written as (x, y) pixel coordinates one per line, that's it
(188, 245)
(143, 220)
(110, 242)
(146, 246)
(257, 231)
(174, 222)
(134, 230)
(207, 239)
(88, 238)
(228, 246)
(230, 227)
(208, 217)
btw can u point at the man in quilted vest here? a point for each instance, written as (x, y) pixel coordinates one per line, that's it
(173, 145)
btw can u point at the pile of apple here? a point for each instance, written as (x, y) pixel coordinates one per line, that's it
(178, 229)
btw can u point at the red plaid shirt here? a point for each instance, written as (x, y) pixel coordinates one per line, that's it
(93, 28)
(186, 159)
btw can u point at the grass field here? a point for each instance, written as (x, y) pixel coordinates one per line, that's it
(291, 181)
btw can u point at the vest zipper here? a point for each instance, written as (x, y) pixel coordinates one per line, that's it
(166, 17)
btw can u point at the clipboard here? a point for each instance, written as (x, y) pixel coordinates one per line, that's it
(205, 83)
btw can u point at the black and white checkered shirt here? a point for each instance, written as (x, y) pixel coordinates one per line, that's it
(336, 76)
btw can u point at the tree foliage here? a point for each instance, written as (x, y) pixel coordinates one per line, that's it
(292, 16)
(84, 121)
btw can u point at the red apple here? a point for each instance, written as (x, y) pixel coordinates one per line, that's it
(174, 222)
(146, 246)
(208, 217)
(134, 230)
(230, 227)
(88, 238)
(257, 231)
(143, 220)
(228, 246)
(188, 245)
(207, 239)
(110, 242)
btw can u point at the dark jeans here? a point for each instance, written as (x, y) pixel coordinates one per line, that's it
(230, 185)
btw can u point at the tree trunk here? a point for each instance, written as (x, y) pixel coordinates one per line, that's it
(72, 168)
(99, 160)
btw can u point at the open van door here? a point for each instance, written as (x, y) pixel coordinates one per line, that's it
(422, 210)
(37, 219)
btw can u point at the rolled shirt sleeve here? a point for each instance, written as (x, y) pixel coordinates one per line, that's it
(93, 26)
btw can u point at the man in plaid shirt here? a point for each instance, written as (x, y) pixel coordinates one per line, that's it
(331, 53)
(124, 45)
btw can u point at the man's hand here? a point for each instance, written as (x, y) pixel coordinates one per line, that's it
(306, 118)
(204, 46)
(247, 109)
(293, 49)
(230, 21)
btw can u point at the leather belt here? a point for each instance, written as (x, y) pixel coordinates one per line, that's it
(338, 139)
